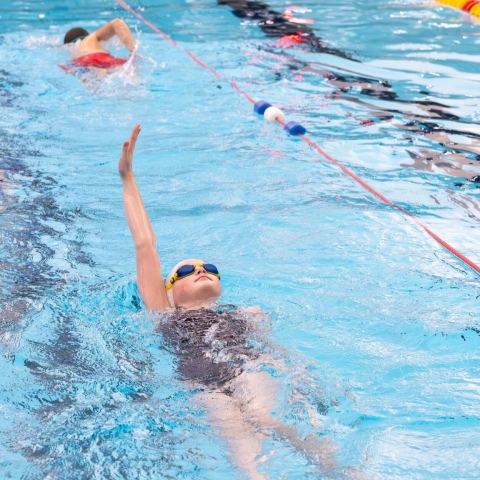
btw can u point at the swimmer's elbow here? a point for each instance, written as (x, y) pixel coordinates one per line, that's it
(113, 27)
(118, 24)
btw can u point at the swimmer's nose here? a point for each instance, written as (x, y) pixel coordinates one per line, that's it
(200, 270)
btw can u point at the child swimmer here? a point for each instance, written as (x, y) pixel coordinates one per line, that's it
(212, 347)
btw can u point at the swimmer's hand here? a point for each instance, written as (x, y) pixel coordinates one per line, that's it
(126, 158)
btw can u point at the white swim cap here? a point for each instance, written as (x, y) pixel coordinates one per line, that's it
(188, 261)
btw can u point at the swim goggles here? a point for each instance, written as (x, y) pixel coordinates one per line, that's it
(80, 37)
(187, 270)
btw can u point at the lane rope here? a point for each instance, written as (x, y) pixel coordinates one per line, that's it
(472, 7)
(312, 144)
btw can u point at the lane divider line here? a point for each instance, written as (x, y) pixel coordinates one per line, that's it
(241, 92)
(144, 20)
(312, 144)
(195, 59)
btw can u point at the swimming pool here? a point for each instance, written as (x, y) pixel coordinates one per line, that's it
(373, 327)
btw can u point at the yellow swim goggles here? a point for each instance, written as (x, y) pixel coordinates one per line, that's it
(186, 270)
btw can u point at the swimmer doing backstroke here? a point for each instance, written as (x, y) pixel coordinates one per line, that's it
(88, 50)
(212, 348)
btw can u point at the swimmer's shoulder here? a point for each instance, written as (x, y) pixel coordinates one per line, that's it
(89, 44)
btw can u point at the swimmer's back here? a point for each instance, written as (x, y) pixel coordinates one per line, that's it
(88, 45)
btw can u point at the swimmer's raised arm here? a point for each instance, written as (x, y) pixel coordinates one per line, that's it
(149, 269)
(119, 28)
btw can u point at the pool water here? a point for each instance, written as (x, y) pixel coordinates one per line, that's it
(372, 328)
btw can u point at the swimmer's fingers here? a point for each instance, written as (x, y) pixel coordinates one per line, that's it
(133, 140)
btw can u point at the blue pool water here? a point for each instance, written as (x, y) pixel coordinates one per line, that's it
(372, 329)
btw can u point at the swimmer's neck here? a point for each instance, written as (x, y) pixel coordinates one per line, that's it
(207, 304)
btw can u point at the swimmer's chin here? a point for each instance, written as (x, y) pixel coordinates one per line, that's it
(197, 305)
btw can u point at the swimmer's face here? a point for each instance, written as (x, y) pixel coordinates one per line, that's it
(200, 287)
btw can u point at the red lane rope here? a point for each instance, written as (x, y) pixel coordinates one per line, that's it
(247, 96)
(144, 20)
(347, 171)
(384, 199)
(193, 57)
